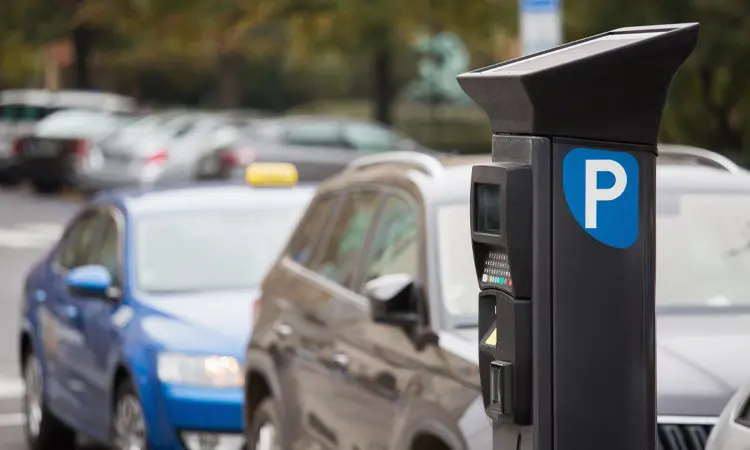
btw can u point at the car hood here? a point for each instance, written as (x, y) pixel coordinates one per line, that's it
(701, 361)
(200, 322)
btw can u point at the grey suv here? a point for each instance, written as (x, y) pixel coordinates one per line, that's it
(366, 328)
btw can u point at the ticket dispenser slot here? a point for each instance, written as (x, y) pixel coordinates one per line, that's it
(501, 224)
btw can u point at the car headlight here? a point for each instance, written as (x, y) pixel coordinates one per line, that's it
(203, 371)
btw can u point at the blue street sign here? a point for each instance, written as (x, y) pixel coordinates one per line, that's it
(540, 5)
(601, 189)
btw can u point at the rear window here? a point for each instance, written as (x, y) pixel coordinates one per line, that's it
(143, 127)
(78, 123)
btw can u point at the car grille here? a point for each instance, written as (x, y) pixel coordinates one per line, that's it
(673, 436)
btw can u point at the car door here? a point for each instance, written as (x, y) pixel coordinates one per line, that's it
(379, 356)
(294, 334)
(325, 281)
(101, 322)
(62, 320)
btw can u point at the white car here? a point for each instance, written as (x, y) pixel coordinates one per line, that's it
(732, 431)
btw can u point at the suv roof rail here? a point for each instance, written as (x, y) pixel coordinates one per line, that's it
(699, 156)
(417, 160)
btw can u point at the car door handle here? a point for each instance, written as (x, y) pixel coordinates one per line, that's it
(283, 330)
(341, 359)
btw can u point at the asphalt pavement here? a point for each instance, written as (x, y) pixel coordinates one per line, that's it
(29, 224)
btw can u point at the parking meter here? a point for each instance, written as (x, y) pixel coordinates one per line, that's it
(562, 227)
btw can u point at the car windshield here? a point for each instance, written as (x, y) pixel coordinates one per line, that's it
(77, 123)
(458, 281)
(702, 253)
(209, 250)
(703, 250)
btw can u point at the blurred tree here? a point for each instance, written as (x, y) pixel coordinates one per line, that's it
(220, 32)
(376, 29)
(39, 23)
(709, 104)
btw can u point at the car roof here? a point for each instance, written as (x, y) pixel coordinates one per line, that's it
(209, 196)
(451, 184)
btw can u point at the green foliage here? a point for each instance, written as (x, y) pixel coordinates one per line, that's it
(709, 104)
(171, 49)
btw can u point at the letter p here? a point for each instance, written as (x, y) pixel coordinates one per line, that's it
(593, 194)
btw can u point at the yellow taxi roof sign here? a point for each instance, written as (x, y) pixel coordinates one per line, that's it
(271, 174)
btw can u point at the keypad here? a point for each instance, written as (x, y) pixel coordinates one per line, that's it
(496, 273)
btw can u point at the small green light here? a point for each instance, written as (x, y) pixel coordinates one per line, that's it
(502, 280)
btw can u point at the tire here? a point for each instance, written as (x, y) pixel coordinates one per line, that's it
(265, 431)
(126, 399)
(206, 169)
(46, 187)
(43, 431)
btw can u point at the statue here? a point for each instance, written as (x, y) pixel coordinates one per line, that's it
(443, 57)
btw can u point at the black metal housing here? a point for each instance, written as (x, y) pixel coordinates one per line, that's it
(599, 88)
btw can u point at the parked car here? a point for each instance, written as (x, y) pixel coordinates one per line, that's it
(732, 431)
(134, 324)
(58, 150)
(366, 331)
(319, 146)
(21, 109)
(163, 148)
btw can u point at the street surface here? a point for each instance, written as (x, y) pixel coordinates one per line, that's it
(29, 224)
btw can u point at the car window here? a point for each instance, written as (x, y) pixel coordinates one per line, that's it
(337, 259)
(77, 122)
(371, 138)
(458, 280)
(395, 243)
(314, 135)
(107, 252)
(206, 250)
(311, 230)
(35, 113)
(76, 246)
(10, 113)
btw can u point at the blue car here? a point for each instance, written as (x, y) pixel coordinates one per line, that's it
(135, 324)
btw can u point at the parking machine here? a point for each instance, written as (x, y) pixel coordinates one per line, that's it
(562, 227)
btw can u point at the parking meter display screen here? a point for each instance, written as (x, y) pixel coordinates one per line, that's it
(488, 209)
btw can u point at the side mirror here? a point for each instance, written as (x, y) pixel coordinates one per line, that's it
(89, 281)
(393, 300)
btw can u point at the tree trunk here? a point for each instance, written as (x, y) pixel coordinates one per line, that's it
(383, 91)
(230, 89)
(83, 38)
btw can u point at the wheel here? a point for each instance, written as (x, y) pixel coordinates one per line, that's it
(264, 432)
(46, 187)
(42, 429)
(207, 168)
(128, 421)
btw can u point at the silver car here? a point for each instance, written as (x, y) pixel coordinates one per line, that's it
(55, 152)
(22, 109)
(318, 146)
(158, 149)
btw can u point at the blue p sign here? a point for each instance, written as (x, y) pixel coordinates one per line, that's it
(601, 189)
